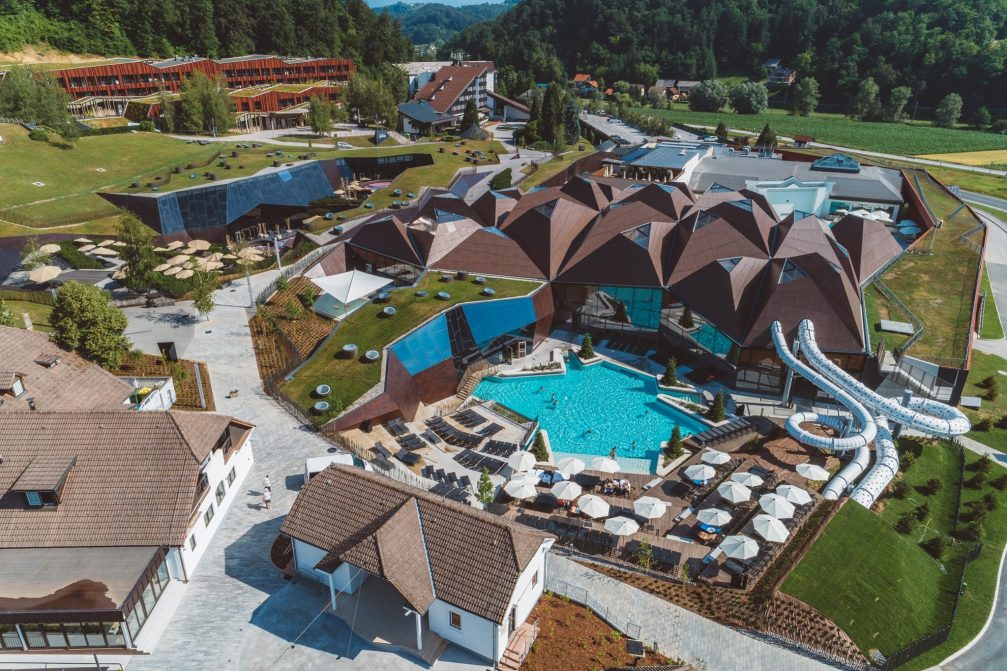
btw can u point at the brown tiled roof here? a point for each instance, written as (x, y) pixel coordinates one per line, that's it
(487, 252)
(200, 430)
(44, 473)
(407, 536)
(869, 243)
(448, 84)
(7, 379)
(71, 384)
(133, 483)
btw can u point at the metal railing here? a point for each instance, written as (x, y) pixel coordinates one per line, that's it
(522, 642)
(601, 609)
(296, 268)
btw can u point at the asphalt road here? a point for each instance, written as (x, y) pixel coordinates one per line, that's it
(612, 128)
(982, 199)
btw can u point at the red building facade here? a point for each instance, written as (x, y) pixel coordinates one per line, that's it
(134, 78)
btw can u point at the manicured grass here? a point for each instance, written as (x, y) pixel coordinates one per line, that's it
(985, 366)
(939, 288)
(330, 140)
(878, 307)
(979, 158)
(71, 176)
(992, 328)
(350, 378)
(38, 313)
(897, 138)
(556, 165)
(101, 226)
(880, 586)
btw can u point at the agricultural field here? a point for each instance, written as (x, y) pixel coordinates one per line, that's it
(896, 138)
(985, 159)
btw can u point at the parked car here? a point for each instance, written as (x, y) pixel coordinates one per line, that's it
(711, 138)
(315, 465)
(343, 145)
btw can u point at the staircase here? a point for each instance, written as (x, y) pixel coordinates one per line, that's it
(473, 376)
(519, 647)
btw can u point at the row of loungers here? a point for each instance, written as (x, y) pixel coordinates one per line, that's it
(476, 462)
(452, 435)
(397, 427)
(498, 448)
(405, 456)
(720, 434)
(439, 475)
(469, 418)
(448, 491)
(411, 442)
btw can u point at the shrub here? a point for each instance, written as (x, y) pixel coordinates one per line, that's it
(38, 135)
(984, 465)
(987, 381)
(539, 449)
(985, 425)
(899, 489)
(484, 490)
(921, 511)
(587, 347)
(77, 259)
(644, 554)
(978, 480)
(988, 502)
(992, 392)
(674, 449)
(147, 125)
(972, 532)
(936, 546)
(282, 284)
(932, 486)
(670, 377)
(717, 411)
(293, 310)
(1000, 483)
(906, 460)
(905, 523)
(685, 320)
(501, 180)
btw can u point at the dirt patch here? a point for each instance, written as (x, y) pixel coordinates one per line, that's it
(40, 53)
(271, 356)
(305, 330)
(182, 373)
(571, 636)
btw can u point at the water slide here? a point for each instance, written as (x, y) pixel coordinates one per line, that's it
(870, 412)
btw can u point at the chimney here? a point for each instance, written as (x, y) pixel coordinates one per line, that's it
(31, 403)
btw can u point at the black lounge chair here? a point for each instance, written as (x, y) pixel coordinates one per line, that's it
(490, 430)
(382, 450)
(407, 457)
(440, 475)
(428, 472)
(465, 482)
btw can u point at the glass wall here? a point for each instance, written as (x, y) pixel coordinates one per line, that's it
(65, 635)
(624, 313)
(404, 274)
(144, 606)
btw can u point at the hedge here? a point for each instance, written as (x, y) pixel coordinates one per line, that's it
(77, 259)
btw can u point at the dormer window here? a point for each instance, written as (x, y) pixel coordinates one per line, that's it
(34, 499)
(17, 388)
(43, 480)
(11, 383)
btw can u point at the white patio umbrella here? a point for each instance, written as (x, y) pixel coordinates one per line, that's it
(184, 274)
(881, 215)
(173, 270)
(178, 260)
(621, 526)
(86, 248)
(49, 249)
(650, 508)
(44, 274)
(795, 495)
(714, 517)
(250, 253)
(593, 506)
(229, 257)
(520, 489)
(161, 268)
(747, 478)
(106, 243)
(213, 265)
(83, 241)
(740, 547)
(567, 490)
(700, 472)
(777, 506)
(733, 492)
(120, 243)
(812, 472)
(216, 256)
(570, 466)
(175, 244)
(605, 465)
(119, 274)
(715, 457)
(200, 245)
(523, 460)
(105, 251)
(770, 528)
(161, 249)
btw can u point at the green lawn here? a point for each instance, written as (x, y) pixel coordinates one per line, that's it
(984, 366)
(939, 288)
(878, 307)
(901, 138)
(38, 313)
(556, 165)
(350, 378)
(992, 328)
(71, 176)
(880, 586)
(331, 140)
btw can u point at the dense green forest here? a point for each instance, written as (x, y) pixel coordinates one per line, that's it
(932, 46)
(346, 28)
(436, 23)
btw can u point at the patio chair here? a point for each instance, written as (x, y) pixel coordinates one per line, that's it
(452, 478)
(464, 481)
(428, 472)
(440, 475)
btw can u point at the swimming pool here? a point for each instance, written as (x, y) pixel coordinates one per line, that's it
(596, 408)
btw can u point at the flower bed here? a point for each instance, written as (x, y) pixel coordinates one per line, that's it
(183, 374)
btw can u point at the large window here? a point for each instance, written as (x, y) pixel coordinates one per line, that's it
(221, 492)
(208, 515)
(8, 637)
(231, 475)
(624, 313)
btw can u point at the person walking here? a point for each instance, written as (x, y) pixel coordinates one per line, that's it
(267, 499)
(267, 485)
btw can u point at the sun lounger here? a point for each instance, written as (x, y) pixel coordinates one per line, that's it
(382, 450)
(428, 472)
(407, 457)
(653, 483)
(465, 482)
(440, 475)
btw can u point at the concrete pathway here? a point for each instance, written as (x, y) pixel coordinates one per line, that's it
(680, 633)
(989, 649)
(237, 611)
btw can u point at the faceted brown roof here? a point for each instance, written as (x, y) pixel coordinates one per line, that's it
(546, 224)
(408, 536)
(488, 251)
(869, 243)
(448, 84)
(492, 207)
(71, 384)
(387, 236)
(133, 483)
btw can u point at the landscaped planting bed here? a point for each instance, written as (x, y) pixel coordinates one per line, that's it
(182, 373)
(306, 329)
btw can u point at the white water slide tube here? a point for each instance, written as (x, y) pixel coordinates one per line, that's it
(925, 415)
(858, 441)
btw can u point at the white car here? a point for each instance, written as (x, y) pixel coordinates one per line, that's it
(315, 465)
(711, 138)
(343, 145)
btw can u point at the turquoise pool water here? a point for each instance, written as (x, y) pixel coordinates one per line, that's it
(596, 408)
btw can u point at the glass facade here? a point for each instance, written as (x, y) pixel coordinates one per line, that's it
(64, 635)
(626, 313)
(404, 274)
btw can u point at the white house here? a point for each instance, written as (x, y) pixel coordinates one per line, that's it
(461, 574)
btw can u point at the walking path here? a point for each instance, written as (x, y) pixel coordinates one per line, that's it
(680, 633)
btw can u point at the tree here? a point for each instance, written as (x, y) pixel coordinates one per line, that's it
(320, 115)
(571, 121)
(644, 554)
(717, 411)
(33, 97)
(470, 118)
(372, 98)
(6, 316)
(767, 138)
(85, 321)
(167, 107)
(936, 546)
(32, 256)
(205, 283)
(674, 449)
(932, 486)
(539, 449)
(806, 96)
(69, 130)
(721, 132)
(206, 105)
(293, 310)
(866, 104)
(657, 97)
(551, 124)
(670, 377)
(708, 96)
(685, 320)
(484, 490)
(749, 98)
(948, 111)
(587, 347)
(137, 254)
(897, 99)
(981, 117)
